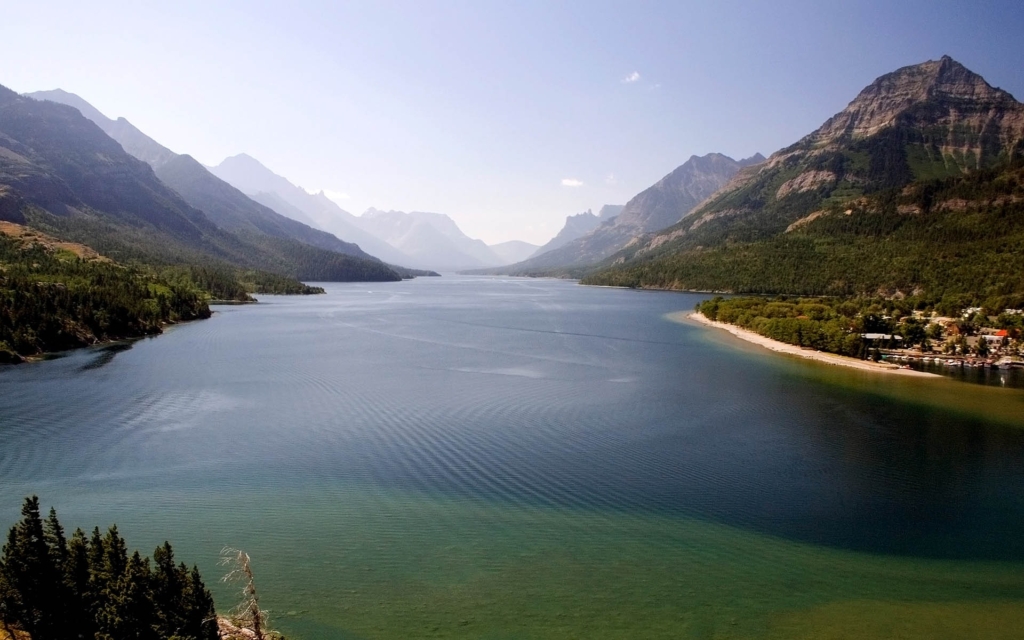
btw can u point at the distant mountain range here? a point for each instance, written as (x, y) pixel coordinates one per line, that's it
(916, 187)
(423, 240)
(513, 250)
(663, 204)
(263, 185)
(226, 206)
(61, 173)
(242, 195)
(579, 225)
(428, 238)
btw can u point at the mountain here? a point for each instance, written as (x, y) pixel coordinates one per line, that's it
(226, 206)
(575, 226)
(513, 250)
(914, 186)
(59, 172)
(278, 204)
(131, 139)
(231, 209)
(431, 240)
(609, 211)
(260, 183)
(657, 207)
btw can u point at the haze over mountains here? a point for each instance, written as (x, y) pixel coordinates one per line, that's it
(263, 185)
(924, 122)
(242, 194)
(579, 225)
(664, 203)
(62, 174)
(226, 206)
(419, 239)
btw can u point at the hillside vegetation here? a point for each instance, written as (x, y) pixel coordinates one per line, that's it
(961, 236)
(54, 296)
(54, 587)
(915, 187)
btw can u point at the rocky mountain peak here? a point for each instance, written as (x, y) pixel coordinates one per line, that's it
(943, 82)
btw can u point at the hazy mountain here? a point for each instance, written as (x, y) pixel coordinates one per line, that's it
(513, 250)
(431, 240)
(575, 226)
(252, 178)
(131, 139)
(915, 185)
(659, 206)
(225, 205)
(231, 209)
(60, 172)
(277, 203)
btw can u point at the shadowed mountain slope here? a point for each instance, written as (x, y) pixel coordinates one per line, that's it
(59, 171)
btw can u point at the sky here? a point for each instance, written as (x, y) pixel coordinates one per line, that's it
(507, 116)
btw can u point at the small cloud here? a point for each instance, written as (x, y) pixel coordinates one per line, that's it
(611, 179)
(571, 182)
(633, 77)
(655, 87)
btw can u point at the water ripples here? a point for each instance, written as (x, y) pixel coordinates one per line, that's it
(508, 394)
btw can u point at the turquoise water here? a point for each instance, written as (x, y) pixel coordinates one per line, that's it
(479, 457)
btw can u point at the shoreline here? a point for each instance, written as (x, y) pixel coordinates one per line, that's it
(791, 349)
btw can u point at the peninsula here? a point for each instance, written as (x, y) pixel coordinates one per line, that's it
(803, 352)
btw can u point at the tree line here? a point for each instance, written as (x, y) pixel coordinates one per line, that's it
(56, 588)
(836, 325)
(50, 299)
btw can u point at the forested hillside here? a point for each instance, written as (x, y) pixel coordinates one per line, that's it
(55, 297)
(961, 236)
(915, 187)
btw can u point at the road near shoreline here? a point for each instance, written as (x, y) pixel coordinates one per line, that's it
(810, 354)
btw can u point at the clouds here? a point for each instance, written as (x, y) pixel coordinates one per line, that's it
(631, 78)
(571, 182)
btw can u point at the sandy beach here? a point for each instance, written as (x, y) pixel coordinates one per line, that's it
(810, 354)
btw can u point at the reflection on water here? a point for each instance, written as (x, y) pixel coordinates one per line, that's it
(993, 376)
(529, 455)
(102, 356)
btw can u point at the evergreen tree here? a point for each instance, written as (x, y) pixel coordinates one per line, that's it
(127, 612)
(168, 591)
(199, 614)
(31, 595)
(54, 588)
(77, 577)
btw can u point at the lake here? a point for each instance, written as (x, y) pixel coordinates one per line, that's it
(510, 458)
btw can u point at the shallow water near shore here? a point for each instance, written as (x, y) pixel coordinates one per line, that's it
(492, 458)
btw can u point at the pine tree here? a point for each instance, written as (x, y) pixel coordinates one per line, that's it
(77, 577)
(53, 588)
(57, 546)
(200, 617)
(168, 590)
(31, 593)
(127, 612)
